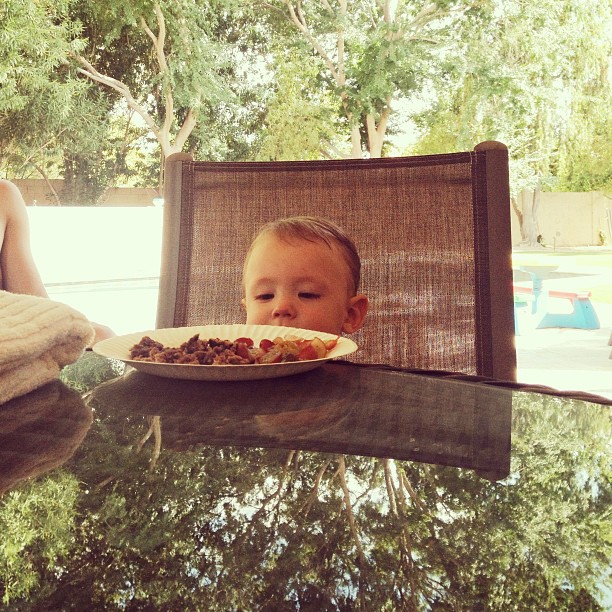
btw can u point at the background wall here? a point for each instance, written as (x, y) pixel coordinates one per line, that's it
(41, 193)
(564, 219)
(571, 219)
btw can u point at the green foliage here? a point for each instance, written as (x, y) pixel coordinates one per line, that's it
(39, 95)
(37, 522)
(28, 59)
(533, 75)
(299, 121)
(217, 528)
(261, 82)
(89, 371)
(585, 162)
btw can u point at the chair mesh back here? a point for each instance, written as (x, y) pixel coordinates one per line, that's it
(421, 225)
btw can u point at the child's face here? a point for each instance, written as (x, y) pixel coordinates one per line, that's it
(299, 284)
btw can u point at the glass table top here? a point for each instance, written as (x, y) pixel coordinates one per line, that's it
(344, 488)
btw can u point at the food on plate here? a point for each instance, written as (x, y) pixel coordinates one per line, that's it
(242, 351)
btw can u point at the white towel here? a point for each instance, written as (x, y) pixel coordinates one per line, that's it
(38, 337)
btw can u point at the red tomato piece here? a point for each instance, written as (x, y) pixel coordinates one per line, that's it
(307, 353)
(266, 345)
(330, 344)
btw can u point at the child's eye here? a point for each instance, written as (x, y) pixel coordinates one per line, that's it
(309, 295)
(262, 297)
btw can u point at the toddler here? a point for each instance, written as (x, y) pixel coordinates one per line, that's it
(304, 272)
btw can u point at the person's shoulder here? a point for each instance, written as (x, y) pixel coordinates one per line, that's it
(9, 191)
(8, 186)
(11, 199)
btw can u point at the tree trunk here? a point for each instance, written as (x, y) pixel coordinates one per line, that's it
(530, 204)
(376, 140)
(377, 131)
(49, 185)
(355, 143)
(517, 207)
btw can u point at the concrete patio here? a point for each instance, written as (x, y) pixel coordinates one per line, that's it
(568, 359)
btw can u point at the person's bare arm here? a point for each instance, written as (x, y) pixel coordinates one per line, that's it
(18, 271)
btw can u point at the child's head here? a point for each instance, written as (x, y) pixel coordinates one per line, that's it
(303, 272)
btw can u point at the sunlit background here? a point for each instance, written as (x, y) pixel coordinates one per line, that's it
(103, 261)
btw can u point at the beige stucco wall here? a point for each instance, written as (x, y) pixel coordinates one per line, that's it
(39, 192)
(570, 219)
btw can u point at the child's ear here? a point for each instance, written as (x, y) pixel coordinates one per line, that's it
(357, 310)
(243, 303)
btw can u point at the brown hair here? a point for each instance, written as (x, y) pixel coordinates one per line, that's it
(314, 229)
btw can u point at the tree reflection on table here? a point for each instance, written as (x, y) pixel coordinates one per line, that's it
(227, 528)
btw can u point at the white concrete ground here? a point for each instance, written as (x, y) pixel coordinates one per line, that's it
(566, 358)
(569, 359)
(127, 306)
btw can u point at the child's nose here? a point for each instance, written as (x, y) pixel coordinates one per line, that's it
(284, 308)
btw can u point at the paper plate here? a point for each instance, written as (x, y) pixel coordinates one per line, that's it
(119, 348)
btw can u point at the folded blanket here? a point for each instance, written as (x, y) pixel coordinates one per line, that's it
(38, 337)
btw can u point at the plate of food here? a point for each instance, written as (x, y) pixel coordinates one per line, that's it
(225, 352)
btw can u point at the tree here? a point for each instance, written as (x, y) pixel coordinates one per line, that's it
(39, 97)
(186, 70)
(53, 122)
(298, 101)
(369, 54)
(180, 59)
(524, 79)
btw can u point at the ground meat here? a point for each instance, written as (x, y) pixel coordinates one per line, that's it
(143, 349)
(195, 351)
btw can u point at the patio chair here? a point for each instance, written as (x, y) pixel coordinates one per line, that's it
(433, 233)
